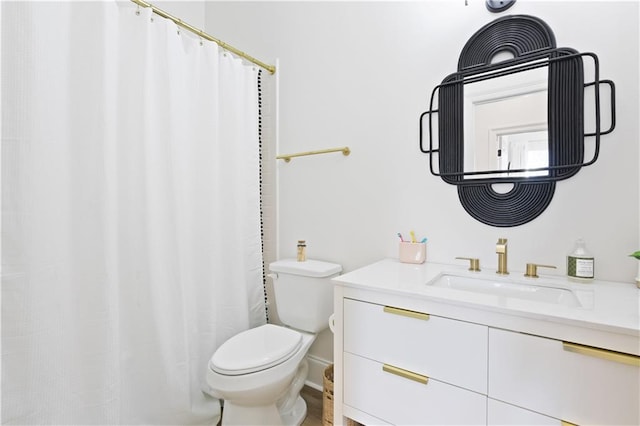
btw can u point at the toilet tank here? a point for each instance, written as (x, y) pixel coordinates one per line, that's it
(304, 292)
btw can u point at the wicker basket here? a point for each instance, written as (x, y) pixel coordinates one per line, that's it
(327, 399)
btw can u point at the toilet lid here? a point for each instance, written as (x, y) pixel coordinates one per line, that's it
(255, 349)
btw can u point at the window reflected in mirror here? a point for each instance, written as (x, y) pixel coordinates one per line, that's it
(523, 150)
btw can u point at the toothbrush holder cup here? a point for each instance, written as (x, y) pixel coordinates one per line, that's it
(412, 252)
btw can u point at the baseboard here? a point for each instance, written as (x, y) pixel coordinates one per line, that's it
(316, 372)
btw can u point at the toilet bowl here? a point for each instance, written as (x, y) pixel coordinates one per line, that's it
(257, 385)
(259, 373)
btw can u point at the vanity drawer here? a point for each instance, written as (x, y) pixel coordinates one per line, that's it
(450, 351)
(502, 414)
(403, 401)
(577, 384)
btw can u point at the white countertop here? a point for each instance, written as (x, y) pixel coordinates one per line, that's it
(609, 315)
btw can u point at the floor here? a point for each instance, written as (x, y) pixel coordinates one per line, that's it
(314, 406)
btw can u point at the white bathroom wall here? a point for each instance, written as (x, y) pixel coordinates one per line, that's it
(191, 12)
(360, 73)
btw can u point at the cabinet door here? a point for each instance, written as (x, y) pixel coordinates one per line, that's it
(451, 351)
(502, 414)
(403, 401)
(577, 384)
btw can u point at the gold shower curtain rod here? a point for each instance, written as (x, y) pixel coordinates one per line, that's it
(201, 33)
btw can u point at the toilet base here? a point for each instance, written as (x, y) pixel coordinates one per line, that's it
(234, 415)
(238, 415)
(296, 416)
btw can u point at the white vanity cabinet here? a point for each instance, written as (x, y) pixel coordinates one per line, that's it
(576, 383)
(409, 353)
(408, 367)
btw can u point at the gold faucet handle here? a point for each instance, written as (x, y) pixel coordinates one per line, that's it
(532, 269)
(474, 263)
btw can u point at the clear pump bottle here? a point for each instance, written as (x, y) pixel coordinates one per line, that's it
(580, 263)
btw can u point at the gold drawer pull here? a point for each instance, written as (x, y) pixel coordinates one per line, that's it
(406, 313)
(405, 373)
(602, 353)
(565, 423)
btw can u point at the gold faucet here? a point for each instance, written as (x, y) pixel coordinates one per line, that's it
(501, 249)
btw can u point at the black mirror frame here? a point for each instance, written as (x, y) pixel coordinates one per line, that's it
(532, 44)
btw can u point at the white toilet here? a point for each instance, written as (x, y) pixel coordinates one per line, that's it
(259, 372)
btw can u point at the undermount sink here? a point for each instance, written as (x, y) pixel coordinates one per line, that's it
(508, 288)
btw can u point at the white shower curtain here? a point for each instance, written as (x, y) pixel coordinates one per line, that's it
(131, 244)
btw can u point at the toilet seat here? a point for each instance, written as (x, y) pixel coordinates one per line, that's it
(255, 350)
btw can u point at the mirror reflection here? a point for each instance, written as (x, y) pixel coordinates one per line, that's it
(505, 125)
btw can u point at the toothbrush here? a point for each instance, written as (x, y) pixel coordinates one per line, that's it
(400, 236)
(413, 236)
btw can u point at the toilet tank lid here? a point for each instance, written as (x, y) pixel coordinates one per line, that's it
(308, 268)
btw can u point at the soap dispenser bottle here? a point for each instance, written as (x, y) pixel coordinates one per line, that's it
(580, 263)
(302, 251)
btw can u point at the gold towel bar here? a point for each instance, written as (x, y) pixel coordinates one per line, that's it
(287, 157)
